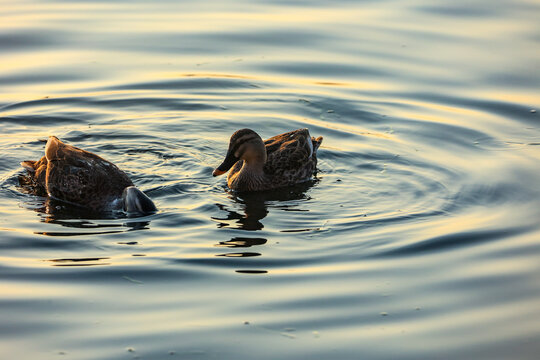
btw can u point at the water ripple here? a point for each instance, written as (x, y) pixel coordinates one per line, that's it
(418, 232)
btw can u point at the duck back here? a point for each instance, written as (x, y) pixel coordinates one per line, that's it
(76, 176)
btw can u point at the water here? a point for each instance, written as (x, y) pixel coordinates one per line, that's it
(418, 238)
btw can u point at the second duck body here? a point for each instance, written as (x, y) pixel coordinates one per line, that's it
(279, 161)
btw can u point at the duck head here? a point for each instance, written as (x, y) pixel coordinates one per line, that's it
(245, 145)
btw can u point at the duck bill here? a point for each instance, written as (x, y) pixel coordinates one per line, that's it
(229, 161)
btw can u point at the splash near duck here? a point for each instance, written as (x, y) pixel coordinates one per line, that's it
(81, 178)
(279, 161)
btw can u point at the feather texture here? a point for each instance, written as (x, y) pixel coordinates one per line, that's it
(75, 176)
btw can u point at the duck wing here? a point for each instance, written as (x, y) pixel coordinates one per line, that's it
(81, 177)
(291, 157)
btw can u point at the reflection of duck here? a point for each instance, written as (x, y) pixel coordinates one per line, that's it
(79, 221)
(255, 205)
(80, 177)
(253, 212)
(280, 161)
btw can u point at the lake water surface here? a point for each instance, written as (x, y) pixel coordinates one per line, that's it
(419, 238)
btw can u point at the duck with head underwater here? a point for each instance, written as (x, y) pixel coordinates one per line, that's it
(82, 178)
(279, 161)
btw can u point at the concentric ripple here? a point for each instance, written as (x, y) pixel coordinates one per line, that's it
(417, 238)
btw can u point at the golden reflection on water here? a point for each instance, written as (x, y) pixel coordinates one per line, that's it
(18, 290)
(118, 17)
(514, 97)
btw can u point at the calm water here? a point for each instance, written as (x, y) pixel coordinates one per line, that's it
(419, 237)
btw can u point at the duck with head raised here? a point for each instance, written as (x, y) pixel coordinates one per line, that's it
(82, 178)
(279, 161)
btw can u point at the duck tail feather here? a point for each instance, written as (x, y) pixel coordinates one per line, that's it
(316, 142)
(29, 165)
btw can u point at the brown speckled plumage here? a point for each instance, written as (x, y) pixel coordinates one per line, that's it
(279, 161)
(74, 175)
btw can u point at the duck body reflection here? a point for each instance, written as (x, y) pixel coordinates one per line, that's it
(255, 205)
(257, 165)
(80, 221)
(245, 212)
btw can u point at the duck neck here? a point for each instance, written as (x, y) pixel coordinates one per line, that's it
(250, 177)
(252, 172)
(254, 168)
(254, 161)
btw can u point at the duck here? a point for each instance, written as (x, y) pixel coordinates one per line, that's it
(82, 178)
(280, 161)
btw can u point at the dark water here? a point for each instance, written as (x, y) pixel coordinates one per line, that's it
(419, 238)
